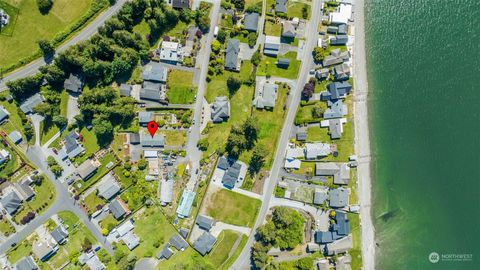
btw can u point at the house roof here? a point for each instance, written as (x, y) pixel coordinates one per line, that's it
(320, 196)
(146, 140)
(144, 117)
(59, 234)
(323, 237)
(94, 263)
(152, 91)
(322, 73)
(134, 138)
(30, 103)
(178, 242)
(315, 150)
(108, 187)
(331, 60)
(84, 257)
(43, 249)
(131, 240)
(342, 29)
(281, 6)
(205, 222)
(288, 30)
(301, 135)
(125, 90)
(11, 202)
(15, 136)
(336, 109)
(338, 89)
(169, 51)
(166, 192)
(266, 97)
(26, 263)
(181, 3)
(72, 147)
(341, 72)
(155, 72)
(73, 84)
(342, 16)
(272, 43)
(220, 109)
(339, 40)
(204, 243)
(339, 171)
(231, 55)
(251, 21)
(124, 228)
(338, 197)
(335, 128)
(283, 62)
(86, 169)
(231, 176)
(118, 208)
(3, 113)
(223, 163)
(185, 205)
(166, 252)
(332, 29)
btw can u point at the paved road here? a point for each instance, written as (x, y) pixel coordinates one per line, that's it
(194, 154)
(84, 34)
(244, 261)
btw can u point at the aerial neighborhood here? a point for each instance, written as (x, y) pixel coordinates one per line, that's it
(249, 163)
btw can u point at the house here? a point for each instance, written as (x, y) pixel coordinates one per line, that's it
(339, 40)
(71, 147)
(338, 197)
(169, 52)
(4, 156)
(3, 114)
(26, 263)
(271, 46)
(281, 6)
(204, 243)
(288, 30)
(134, 138)
(73, 84)
(24, 189)
(301, 134)
(108, 187)
(178, 242)
(331, 60)
(184, 232)
(124, 232)
(317, 150)
(229, 173)
(332, 29)
(153, 91)
(11, 202)
(220, 109)
(166, 191)
(336, 90)
(335, 127)
(118, 208)
(31, 102)
(86, 169)
(320, 196)
(339, 171)
(323, 264)
(322, 74)
(59, 234)
(91, 260)
(232, 61)
(251, 22)
(342, 29)
(341, 72)
(185, 205)
(266, 97)
(146, 140)
(342, 16)
(144, 118)
(336, 109)
(125, 90)
(283, 62)
(166, 253)
(179, 4)
(205, 222)
(44, 248)
(155, 72)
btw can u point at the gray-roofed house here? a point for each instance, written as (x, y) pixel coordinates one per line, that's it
(166, 253)
(71, 147)
(283, 62)
(125, 90)
(320, 196)
(15, 137)
(24, 190)
(223, 163)
(118, 208)
(108, 187)
(332, 29)
(26, 263)
(183, 232)
(60, 234)
(336, 109)
(266, 97)
(338, 197)
(3, 114)
(30, 103)
(288, 30)
(73, 84)
(178, 242)
(155, 72)
(339, 171)
(301, 134)
(91, 260)
(232, 61)
(144, 118)
(204, 243)
(342, 29)
(220, 109)
(232, 175)
(281, 6)
(158, 140)
(336, 90)
(316, 150)
(11, 202)
(44, 249)
(153, 91)
(179, 4)
(134, 138)
(271, 45)
(331, 60)
(205, 222)
(86, 169)
(322, 74)
(339, 40)
(335, 128)
(169, 52)
(341, 72)
(166, 191)
(251, 22)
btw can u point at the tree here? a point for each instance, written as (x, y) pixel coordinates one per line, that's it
(252, 39)
(239, 4)
(44, 109)
(308, 90)
(251, 129)
(221, 36)
(256, 58)
(60, 121)
(103, 130)
(29, 132)
(142, 164)
(53, 75)
(236, 142)
(56, 170)
(203, 144)
(284, 230)
(317, 112)
(319, 54)
(87, 244)
(258, 159)
(259, 255)
(51, 161)
(44, 6)
(305, 11)
(46, 47)
(37, 179)
(233, 84)
(23, 88)
(216, 46)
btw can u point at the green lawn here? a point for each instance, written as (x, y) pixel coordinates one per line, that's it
(21, 250)
(174, 137)
(64, 103)
(91, 202)
(180, 87)
(268, 66)
(226, 21)
(27, 29)
(226, 265)
(6, 227)
(272, 29)
(316, 134)
(89, 141)
(44, 197)
(219, 254)
(237, 209)
(10, 166)
(47, 131)
(294, 9)
(356, 251)
(304, 113)
(108, 222)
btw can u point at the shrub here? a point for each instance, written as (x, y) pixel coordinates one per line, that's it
(44, 6)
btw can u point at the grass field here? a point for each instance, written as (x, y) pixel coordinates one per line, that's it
(219, 254)
(180, 87)
(226, 265)
(294, 9)
(174, 137)
(91, 202)
(64, 103)
(304, 113)
(268, 66)
(272, 29)
(356, 251)
(10, 166)
(28, 29)
(6, 227)
(237, 209)
(47, 130)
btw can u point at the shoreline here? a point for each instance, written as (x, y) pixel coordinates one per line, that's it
(362, 139)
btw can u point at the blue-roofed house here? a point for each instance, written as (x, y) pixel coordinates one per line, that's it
(220, 109)
(232, 61)
(283, 62)
(185, 206)
(155, 72)
(251, 22)
(336, 90)
(205, 222)
(15, 137)
(339, 40)
(204, 243)
(26, 263)
(336, 109)
(11, 202)
(323, 237)
(30, 103)
(71, 147)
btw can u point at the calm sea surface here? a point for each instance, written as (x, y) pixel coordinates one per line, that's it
(424, 73)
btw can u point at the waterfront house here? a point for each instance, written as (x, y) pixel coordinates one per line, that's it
(339, 40)
(232, 61)
(338, 197)
(271, 46)
(339, 171)
(336, 90)
(342, 16)
(317, 150)
(336, 109)
(341, 72)
(220, 109)
(251, 22)
(335, 127)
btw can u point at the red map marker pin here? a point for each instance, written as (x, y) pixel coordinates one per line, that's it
(152, 127)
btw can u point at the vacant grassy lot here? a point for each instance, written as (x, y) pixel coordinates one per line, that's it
(64, 103)
(219, 254)
(294, 9)
(6, 227)
(180, 87)
(174, 137)
(355, 252)
(31, 26)
(237, 209)
(272, 29)
(268, 66)
(47, 130)
(91, 202)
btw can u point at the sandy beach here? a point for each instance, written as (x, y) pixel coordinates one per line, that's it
(362, 140)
